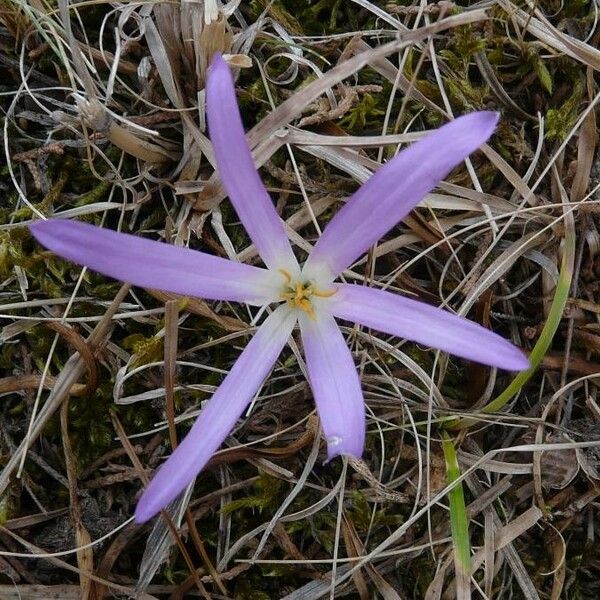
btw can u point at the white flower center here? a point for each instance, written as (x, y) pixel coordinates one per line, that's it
(298, 293)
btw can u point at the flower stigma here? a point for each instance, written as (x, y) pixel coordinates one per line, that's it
(297, 293)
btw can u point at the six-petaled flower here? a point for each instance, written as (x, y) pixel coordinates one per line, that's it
(307, 294)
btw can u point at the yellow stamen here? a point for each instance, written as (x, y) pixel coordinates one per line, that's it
(308, 308)
(326, 294)
(297, 294)
(287, 275)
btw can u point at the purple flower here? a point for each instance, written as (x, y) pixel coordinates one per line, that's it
(307, 295)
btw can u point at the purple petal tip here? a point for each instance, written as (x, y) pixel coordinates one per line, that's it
(217, 61)
(36, 226)
(509, 357)
(144, 512)
(42, 228)
(484, 120)
(520, 363)
(336, 446)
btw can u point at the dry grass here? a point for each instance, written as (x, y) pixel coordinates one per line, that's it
(103, 120)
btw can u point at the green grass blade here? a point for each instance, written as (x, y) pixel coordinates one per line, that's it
(561, 295)
(459, 521)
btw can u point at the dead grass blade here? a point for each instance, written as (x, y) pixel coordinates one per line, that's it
(586, 152)
(542, 29)
(72, 371)
(165, 516)
(85, 553)
(199, 307)
(502, 538)
(353, 549)
(292, 107)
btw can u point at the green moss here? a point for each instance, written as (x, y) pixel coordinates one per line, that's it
(364, 520)
(147, 349)
(317, 17)
(560, 121)
(576, 9)
(97, 194)
(266, 495)
(464, 42)
(250, 588)
(9, 502)
(364, 115)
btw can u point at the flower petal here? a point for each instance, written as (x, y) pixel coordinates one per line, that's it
(395, 189)
(219, 416)
(238, 172)
(334, 383)
(154, 265)
(425, 324)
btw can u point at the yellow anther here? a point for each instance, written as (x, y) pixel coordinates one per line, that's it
(301, 293)
(287, 275)
(308, 308)
(298, 293)
(327, 294)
